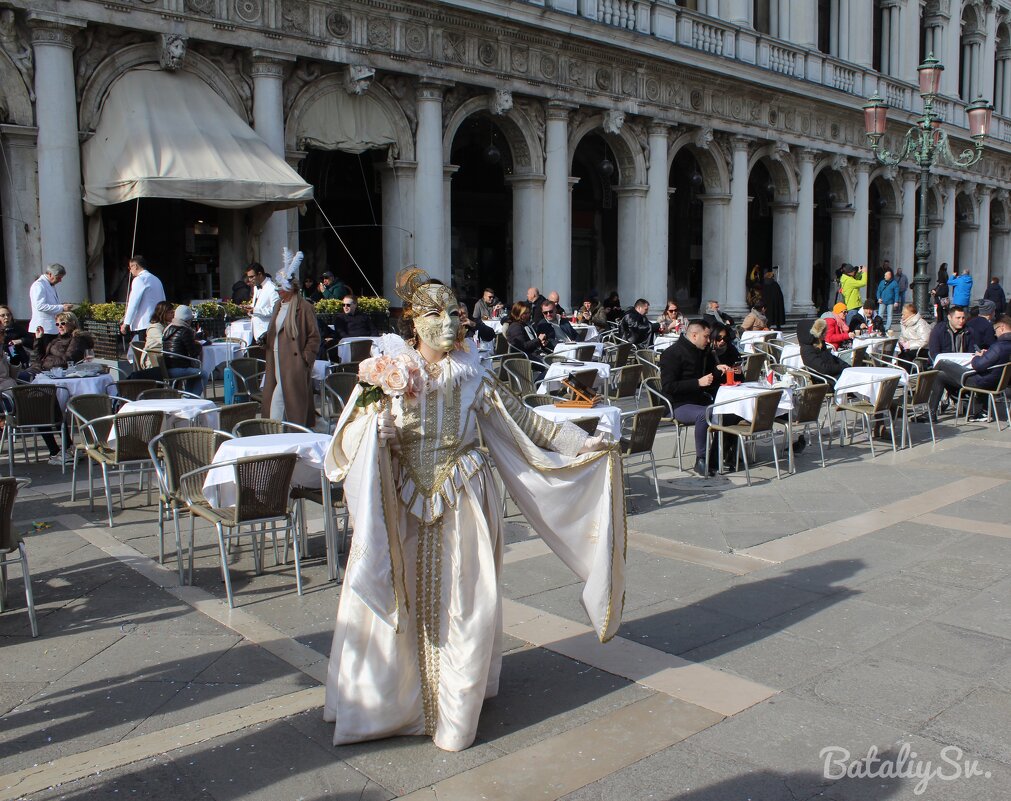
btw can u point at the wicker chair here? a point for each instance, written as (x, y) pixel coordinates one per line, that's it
(164, 393)
(10, 543)
(257, 352)
(264, 425)
(640, 437)
(869, 412)
(36, 412)
(156, 358)
(918, 390)
(248, 373)
(232, 414)
(263, 486)
(129, 449)
(618, 355)
(625, 381)
(360, 351)
(337, 389)
(760, 427)
(991, 395)
(752, 366)
(518, 373)
(807, 406)
(346, 367)
(533, 399)
(131, 388)
(83, 409)
(174, 453)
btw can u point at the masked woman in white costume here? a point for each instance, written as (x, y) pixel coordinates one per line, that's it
(417, 643)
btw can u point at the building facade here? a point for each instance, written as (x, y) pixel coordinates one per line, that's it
(655, 148)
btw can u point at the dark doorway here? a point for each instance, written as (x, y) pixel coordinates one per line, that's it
(876, 204)
(347, 187)
(481, 209)
(762, 193)
(594, 219)
(178, 238)
(684, 255)
(823, 279)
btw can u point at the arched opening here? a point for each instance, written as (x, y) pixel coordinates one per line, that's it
(761, 196)
(1000, 240)
(684, 255)
(966, 232)
(481, 210)
(594, 218)
(347, 187)
(822, 287)
(874, 229)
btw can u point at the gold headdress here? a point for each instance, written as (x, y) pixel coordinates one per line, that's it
(414, 286)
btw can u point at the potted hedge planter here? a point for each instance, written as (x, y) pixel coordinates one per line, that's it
(102, 321)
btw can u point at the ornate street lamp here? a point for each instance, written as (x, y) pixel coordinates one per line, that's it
(926, 144)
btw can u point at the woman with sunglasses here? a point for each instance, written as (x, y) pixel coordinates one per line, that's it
(71, 344)
(672, 322)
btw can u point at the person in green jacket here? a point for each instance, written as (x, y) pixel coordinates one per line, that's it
(851, 285)
(332, 288)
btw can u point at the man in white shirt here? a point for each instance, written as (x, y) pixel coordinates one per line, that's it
(146, 292)
(45, 300)
(265, 297)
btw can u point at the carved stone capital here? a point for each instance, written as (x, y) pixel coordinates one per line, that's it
(807, 155)
(431, 89)
(741, 143)
(559, 110)
(49, 30)
(269, 65)
(657, 128)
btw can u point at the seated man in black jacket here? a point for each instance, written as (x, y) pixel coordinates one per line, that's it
(635, 327)
(689, 377)
(983, 366)
(353, 323)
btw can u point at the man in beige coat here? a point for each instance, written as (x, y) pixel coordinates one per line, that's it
(291, 342)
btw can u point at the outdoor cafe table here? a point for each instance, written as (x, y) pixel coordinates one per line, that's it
(740, 399)
(961, 359)
(240, 329)
(749, 338)
(609, 417)
(661, 343)
(558, 370)
(568, 347)
(214, 353)
(791, 355)
(592, 334)
(179, 412)
(859, 381)
(219, 485)
(73, 386)
(344, 347)
(872, 344)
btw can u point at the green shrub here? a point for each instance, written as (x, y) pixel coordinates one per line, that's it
(328, 306)
(371, 304)
(108, 312)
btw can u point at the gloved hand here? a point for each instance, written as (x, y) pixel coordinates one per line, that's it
(592, 444)
(387, 427)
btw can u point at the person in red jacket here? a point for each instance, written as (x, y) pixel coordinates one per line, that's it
(838, 333)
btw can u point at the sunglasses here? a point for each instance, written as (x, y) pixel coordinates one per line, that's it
(672, 310)
(347, 305)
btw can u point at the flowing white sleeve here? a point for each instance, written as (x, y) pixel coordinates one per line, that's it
(574, 503)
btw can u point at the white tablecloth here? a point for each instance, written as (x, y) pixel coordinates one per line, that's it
(559, 370)
(566, 347)
(240, 329)
(858, 380)
(179, 412)
(592, 334)
(958, 358)
(219, 485)
(214, 353)
(320, 368)
(344, 346)
(609, 416)
(791, 355)
(661, 343)
(873, 344)
(743, 399)
(749, 338)
(76, 386)
(495, 325)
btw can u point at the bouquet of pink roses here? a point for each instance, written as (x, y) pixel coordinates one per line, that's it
(382, 376)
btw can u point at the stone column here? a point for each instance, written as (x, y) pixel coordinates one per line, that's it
(890, 238)
(842, 246)
(429, 204)
(1000, 251)
(981, 262)
(447, 223)
(861, 34)
(804, 256)
(632, 244)
(556, 269)
(951, 35)
(906, 257)
(985, 86)
(784, 237)
(861, 214)
(909, 26)
(61, 215)
(804, 24)
(740, 14)
(19, 199)
(1002, 83)
(654, 286)
(945, 247)
(715, 224)
(737, 243)
(528, 238)
(398, 221)
(268, 121)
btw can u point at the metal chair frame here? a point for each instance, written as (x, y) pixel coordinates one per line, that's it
(11, 543)
(28, 404)
(869, 412)
(991, 395)
(761, 426)
(640, 439)
(266, 425)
